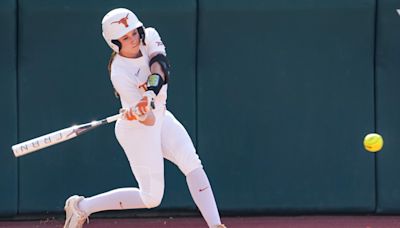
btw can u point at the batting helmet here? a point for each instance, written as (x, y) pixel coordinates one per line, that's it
(116, 24)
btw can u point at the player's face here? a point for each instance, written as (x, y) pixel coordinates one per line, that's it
(130, 43)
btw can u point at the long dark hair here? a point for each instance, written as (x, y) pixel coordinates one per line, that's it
(113, 54)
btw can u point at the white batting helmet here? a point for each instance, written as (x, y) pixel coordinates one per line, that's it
(117, 23)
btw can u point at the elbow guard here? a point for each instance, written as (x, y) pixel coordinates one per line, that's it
(163, 61)
(154, 83)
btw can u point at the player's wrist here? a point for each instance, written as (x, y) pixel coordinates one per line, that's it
(151, 97)
(150, 94)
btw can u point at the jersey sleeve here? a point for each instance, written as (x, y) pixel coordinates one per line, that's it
(153, 42)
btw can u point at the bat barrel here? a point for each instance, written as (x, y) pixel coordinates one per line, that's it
(58, 136)
(43, 141)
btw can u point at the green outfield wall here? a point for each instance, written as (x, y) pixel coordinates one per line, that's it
(8, 104)
(285, 94)
(387, 105)
(277, 97)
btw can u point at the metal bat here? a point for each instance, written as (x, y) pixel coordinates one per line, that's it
(58, 136)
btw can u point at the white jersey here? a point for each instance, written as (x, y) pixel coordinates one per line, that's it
(128, 75)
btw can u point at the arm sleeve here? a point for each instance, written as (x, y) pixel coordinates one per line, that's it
(153, 42)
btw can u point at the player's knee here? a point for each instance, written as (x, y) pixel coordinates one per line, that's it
(152, 196)
(186, 158)
(190, 163)
(152, 200)
(151, 185)
(190, 168)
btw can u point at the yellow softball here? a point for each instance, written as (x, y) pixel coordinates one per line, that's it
(373, 142)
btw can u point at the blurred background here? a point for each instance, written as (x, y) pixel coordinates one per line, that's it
(276, 95)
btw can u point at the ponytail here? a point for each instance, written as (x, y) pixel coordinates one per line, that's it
(113, 54)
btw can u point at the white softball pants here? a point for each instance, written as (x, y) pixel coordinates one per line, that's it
(147, 146)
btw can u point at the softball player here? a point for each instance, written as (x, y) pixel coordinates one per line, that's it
(148, 132)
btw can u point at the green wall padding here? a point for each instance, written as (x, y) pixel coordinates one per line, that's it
(277, 97)
(285, 96)
(388, 109)
(8, 104)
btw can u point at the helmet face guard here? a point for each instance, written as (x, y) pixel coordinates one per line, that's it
(117, 23)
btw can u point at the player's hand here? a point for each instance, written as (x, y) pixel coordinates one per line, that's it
(145, 104)
(149, 120)
(129, 114)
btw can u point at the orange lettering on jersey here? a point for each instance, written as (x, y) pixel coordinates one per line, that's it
(123, 21)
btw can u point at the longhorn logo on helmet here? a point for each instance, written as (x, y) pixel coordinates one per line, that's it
(123, 21)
